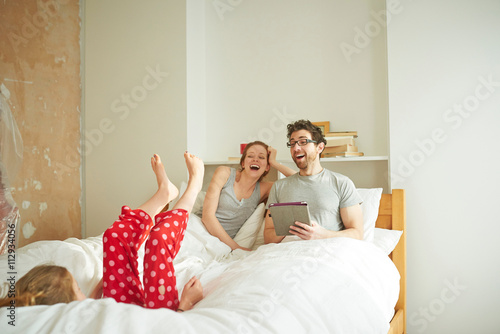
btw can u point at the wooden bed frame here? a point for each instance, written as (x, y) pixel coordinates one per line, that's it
(392, 216)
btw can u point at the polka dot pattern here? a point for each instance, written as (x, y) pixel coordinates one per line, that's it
(163, 245)
(122, 241)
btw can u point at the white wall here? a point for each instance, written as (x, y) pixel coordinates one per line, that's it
(269, 62)
(196, 77)
(131, 114)
(235, 74)
(439, 55)
(265, 58)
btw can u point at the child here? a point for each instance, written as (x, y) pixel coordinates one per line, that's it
(53, 284)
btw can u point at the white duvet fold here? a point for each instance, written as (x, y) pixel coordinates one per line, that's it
(338, 285)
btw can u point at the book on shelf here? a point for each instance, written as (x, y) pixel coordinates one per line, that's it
(233, 158)
(341, 144)
(340, 148)
(353, 134)
(337, 141)
(342, 154)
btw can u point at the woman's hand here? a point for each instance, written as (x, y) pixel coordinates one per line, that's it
(192, 293)
(287, 171)
(272, 152)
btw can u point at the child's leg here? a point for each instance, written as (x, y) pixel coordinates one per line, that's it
(160, 290)
(121, 242)
(196, 170)
(165, 240)
(166, 190)
(124, 238)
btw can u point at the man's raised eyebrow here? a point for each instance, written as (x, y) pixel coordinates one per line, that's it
(301, 137)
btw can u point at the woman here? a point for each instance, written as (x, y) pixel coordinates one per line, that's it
(162, 232)
(233, 195)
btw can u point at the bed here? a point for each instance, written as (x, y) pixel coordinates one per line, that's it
(338, 285)
(392, 216)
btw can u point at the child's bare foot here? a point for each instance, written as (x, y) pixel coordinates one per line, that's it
(196, 170)
(165, 187)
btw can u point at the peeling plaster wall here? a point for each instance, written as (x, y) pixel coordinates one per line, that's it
(40, 67)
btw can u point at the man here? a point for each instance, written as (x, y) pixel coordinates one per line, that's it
(334, 203)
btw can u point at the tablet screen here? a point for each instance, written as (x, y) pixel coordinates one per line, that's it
(286, 214)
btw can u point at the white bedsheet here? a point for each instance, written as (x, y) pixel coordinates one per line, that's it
(325, 286)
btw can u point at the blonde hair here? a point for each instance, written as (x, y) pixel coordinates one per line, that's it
(43, 285)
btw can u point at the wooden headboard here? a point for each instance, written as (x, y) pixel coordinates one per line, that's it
(392, 216)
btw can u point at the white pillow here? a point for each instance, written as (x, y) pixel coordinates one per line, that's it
(371, 202)
(259, 240)
(386, 239)
(198, 204)
(247, 234)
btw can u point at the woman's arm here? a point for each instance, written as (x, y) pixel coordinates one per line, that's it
(287, 171)
(210, 205)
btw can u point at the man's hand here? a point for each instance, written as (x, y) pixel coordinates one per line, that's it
(310, 232)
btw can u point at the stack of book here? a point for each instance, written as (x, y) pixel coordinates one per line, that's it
(341, 144)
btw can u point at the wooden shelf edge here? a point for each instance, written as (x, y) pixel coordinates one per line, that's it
(339, 159)
(363, 158)
(220, 162)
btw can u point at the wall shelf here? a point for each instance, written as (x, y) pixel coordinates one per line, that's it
(339, 159)
(222, 162)
(364, 158)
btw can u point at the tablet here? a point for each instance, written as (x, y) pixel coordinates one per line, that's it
(286, 214)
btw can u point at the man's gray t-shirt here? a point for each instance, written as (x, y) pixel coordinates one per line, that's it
(325, 193)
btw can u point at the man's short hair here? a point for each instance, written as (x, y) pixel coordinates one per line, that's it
(303, 124)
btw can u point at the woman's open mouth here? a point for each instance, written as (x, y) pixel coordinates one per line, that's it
(254, 167)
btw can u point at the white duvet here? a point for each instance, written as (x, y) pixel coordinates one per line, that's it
(338, 285)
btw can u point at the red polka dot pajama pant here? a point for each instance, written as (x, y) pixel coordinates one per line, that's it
(121, 243)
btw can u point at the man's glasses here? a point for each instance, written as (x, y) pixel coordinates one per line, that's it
(301, 142)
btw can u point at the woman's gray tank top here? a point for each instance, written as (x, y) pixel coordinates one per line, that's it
(232, 213)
